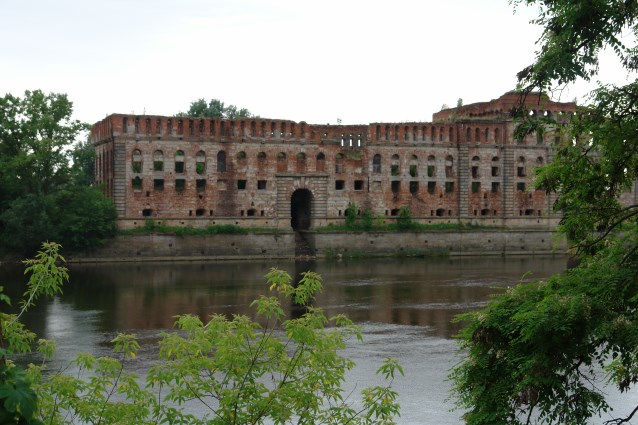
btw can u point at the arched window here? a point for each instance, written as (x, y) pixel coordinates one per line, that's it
(158, 161)
(136, 165)
(200, 162)
(378, 133)
(339, 163)
(431, 166)
(496, 136)
(221, 161)
(449, 166)
(487, 135)
(477, 135)
(433, 133)
(282, 163)
(321, 162)
(301, 162)
(468, 135)
(395, 169)
(414, 166)
(415, 131)
(406, 133)
(424, 132)
(396, 132)
(441, 133)
(450, 133)
(376, 163)
(520, 167)
(179, 161)
(475, 170)
(387, 132)
(496, 168)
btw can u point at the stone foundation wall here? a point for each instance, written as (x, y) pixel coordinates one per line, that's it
(282, 245)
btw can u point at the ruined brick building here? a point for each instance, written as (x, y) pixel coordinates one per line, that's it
(465, 166)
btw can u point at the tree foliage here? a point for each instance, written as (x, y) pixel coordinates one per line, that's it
(215, 108)
(231, 370)
(45, 180)
(534, 352)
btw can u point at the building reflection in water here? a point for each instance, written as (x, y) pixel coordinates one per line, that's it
(417, 292)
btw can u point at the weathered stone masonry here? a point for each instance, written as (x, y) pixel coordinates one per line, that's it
(465, 166)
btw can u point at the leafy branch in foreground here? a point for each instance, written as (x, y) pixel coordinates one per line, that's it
(18, 399)
(535, 354)
(228, 370)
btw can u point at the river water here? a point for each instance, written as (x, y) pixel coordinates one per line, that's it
(405, 307)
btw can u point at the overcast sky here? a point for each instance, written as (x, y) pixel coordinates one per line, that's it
(313, 61)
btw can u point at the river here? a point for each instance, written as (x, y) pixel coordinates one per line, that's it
(405, 307)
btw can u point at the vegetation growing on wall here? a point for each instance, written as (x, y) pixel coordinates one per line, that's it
(355, 222)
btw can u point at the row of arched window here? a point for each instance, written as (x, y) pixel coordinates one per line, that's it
(200, 160)
(395, 163)
(482, 135)
(434, 133)
(225, 127)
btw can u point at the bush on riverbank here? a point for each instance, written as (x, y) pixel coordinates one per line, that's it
(151, 226)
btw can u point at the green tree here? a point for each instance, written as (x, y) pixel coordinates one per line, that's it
(533, 352)
(83, 163)
(215, 108)
(351, 215)
(35, 134)
(404, 221)
(44, 179)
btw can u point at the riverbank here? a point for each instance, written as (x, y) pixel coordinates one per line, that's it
(284, 245)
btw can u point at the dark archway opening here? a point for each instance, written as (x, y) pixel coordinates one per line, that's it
(300, 205)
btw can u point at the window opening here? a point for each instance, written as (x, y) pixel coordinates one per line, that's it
(376, 163)
(136, 183)
(137, 161)
(200, 162)
(180, 185)
(158, 161)
(179, 161)
(221, 161)
(158, 185)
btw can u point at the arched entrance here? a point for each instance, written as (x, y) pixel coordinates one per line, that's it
(300, 207)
